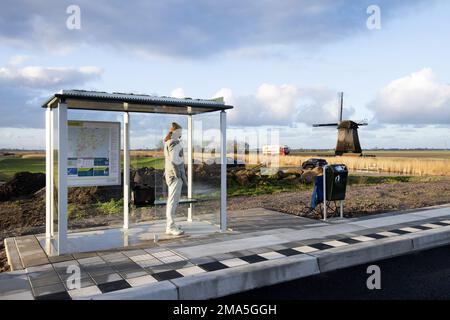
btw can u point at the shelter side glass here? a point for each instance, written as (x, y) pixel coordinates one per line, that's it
(206, 167)
(146, 166)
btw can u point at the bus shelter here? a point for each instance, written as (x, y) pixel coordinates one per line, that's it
(58, 170)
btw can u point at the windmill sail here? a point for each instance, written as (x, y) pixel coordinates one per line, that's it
(325, 125)
(341, 106)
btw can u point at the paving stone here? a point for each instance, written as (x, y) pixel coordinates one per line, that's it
(84, 255)
(113, 286)
(115, 257)
(277, 247)
(213, 266)
(154, 250)
(37, 269)
(128, 265)
(387, 234)
(170, 259)
(13, 283)
(130, 274)
(62, 258)
(189, 271)
(64, 275)
(13, 254)
(259, 250)
(320, 245)
(100, 270)
(166, 267)
(44, 281)
(305, 249)
(377, 236)
(84, 292)
(35, 261)
(335, 243)
(241, 253)
(23, 295)
(271, 255)
(63, 295)
(288, 252)
(202, 260)
(132, 253)
(65, 264)
(222, 256)
(90, 260)
(50, 289)
(43, 274)
(167, 275)
(104, 278)
(84, 282)
(140, 281)
(234, 262)
(149, 263)
(253, 258)
(364, 238)
(163, 254)
(293, 244)
(142, 257)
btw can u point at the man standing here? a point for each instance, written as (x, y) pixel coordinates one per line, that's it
(174, 174)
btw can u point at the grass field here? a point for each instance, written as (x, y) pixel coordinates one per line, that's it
(10, 165)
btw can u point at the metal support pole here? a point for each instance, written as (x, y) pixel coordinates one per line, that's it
(62, 178)
(53, 114)
(324, 193)
(223, 171)
(342, 208)
(48, 172)
(189, 165)
(126, 170)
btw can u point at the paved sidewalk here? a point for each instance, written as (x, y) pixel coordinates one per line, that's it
(222, 264)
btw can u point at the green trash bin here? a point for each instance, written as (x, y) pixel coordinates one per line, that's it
(336, 176)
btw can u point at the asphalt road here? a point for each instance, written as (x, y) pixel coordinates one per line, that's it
(423, 275)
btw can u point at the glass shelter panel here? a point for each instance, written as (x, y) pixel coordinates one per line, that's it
(206, 168)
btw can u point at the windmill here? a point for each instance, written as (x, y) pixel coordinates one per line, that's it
(347, 139)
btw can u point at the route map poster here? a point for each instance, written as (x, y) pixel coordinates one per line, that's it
(93, 153)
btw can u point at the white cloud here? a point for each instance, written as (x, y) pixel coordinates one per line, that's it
(23, 88)
(27, 138)
(283, 105)
(178, 93)
(45, 77)
(419, 98)
(18, 59)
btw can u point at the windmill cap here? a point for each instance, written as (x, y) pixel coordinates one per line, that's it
(348, 124)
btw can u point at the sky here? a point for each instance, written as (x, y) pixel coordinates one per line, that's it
(280, 64)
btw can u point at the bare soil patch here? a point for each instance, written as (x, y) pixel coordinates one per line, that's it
(360, 199)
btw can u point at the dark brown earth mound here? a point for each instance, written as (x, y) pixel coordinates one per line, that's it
(22, 184)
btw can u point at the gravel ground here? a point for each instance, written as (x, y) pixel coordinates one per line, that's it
(361, 200)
